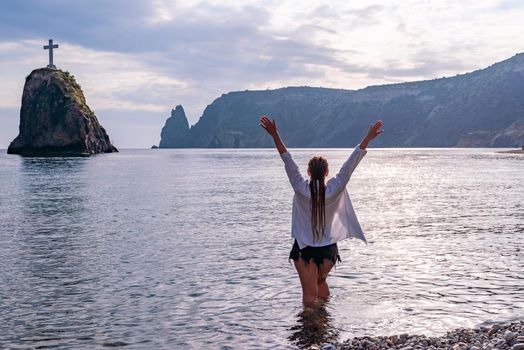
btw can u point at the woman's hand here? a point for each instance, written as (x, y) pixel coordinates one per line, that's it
(374, 131)
(269, 125)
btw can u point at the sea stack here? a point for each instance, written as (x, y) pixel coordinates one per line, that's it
(55, 119)
(175, 133)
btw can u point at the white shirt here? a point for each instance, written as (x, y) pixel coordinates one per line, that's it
(341, 220)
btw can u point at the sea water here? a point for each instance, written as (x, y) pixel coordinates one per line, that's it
(189, 248)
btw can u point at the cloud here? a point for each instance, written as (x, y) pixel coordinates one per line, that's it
(109, 79)
(366, 15)
(508, 5)
(141, 58)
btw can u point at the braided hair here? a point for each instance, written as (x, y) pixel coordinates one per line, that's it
(317, 168)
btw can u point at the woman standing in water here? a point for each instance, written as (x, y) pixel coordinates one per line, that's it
(322, 213)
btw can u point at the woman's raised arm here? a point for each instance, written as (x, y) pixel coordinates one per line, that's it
(271, 127)
(374, 131)
(339, 182)
(298, 183)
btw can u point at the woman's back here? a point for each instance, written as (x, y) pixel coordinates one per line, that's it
(340, 219)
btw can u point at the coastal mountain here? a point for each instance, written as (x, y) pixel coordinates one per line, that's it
(55, 119)
(176, 131)
(484, 108)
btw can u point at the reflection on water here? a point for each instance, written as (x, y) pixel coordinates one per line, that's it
(188, 249)
(52, 187)
(314, 326)
(49, 247)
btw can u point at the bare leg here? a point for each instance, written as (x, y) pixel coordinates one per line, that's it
(322, 286)
(308, 274)
(323, 290)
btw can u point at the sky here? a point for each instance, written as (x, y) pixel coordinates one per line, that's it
(136, 60)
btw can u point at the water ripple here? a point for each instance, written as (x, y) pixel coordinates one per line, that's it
(188, 248)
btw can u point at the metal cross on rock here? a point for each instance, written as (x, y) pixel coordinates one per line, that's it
(50, 47)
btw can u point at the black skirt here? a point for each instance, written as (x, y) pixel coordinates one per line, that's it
(318, 254)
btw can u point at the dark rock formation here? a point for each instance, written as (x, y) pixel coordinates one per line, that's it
(176, 131)
(484, 108)
(55, 119)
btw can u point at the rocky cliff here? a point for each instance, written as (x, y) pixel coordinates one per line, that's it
(55, 119)
(484, 108)
(175, 133)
